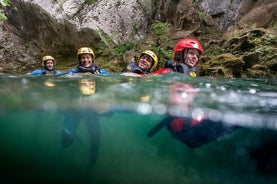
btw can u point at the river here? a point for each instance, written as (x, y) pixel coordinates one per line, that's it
(118, 129)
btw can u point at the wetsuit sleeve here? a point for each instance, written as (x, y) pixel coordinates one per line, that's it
(36, 72)
(71, 70)
(102, 71)
(59, 73)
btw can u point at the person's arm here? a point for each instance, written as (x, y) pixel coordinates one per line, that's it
(71, 70)
(102, 71)
(36, 72)
(59, 72)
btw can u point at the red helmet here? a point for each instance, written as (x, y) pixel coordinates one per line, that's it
(188, 43)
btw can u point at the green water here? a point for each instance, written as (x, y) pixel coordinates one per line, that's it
(114, 114)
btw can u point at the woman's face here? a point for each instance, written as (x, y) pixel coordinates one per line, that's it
(192, 57)
(145, 62)
(86, 60)
(49, 64)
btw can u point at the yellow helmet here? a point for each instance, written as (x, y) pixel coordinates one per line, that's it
(45, 58)
(153, 56)
(85, 50)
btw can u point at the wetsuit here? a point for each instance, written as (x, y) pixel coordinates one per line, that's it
(73, 116)
(134, 68)
(192, 132)
(197, 133)
(44, 71)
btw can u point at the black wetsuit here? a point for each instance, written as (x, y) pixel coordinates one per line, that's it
(192, 132)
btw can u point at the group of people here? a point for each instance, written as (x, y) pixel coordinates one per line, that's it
(193, 131)
(186, 56)
(187, 53)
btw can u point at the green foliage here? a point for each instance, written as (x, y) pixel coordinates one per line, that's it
(135, 29)
(3, 3)
(202, 15)
(106, 42)
(159, 28)
(196, 3)
(90, 1)
(159, 41)
(123, 47)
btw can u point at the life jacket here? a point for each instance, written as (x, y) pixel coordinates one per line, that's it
(45, 71)
(181, 68)
(133, 67)
(92, 69)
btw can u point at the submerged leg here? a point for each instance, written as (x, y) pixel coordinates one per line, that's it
(69, 127)
(93, 128)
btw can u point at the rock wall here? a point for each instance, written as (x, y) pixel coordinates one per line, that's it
(121, 20)
(190, 14)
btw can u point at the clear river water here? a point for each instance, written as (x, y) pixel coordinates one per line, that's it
(155, 129)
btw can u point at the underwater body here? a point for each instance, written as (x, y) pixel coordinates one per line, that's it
(155, 129)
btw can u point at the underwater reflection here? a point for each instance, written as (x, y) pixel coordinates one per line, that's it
(49, 83)
(87, 86)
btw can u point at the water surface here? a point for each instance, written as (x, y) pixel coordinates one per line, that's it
(92, 129)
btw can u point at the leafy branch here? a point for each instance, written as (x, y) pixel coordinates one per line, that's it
(3, 3)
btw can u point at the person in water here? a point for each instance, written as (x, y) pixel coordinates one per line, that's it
(192, 127)
(87, 114)
(48, 67)
(187, 53)
(86, 58)
(146, 64)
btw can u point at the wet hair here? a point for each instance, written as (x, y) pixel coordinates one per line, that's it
(179, 56)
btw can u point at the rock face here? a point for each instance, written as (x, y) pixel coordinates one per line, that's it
(189, 14)
(116, 18)
(59, 28)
